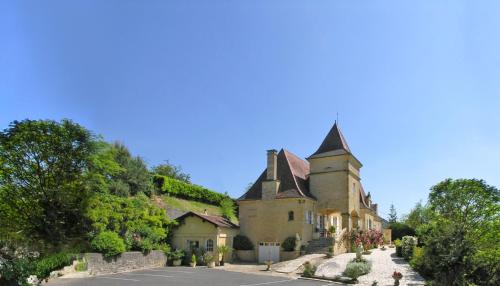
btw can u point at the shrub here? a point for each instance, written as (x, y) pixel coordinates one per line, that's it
(142, 225)
(108, 243)
(52, 262)
(407, 245)
(176, 254)
(242, 242)
(418, 262)
(400, 229)
(227, 208)
(399, 252)
(309, 270)
(208, 257)
(355, 269)
(289, 244)
(187, 191)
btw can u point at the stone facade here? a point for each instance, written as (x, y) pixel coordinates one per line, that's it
(194, 230)
(127, 261)
(305, 198)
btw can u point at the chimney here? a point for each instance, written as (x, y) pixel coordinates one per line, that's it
(272, 161)
(271, 185)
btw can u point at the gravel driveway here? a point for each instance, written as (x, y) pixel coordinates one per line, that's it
(384, 263)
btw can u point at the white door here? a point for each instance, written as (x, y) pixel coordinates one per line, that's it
(269, 251)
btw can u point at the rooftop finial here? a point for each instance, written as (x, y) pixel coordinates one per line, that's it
(337, 120)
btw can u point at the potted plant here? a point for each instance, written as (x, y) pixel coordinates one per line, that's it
(223, 250)
(244, 248)
(193, 261)
(268, 264)
(331, 231)
(176, 257)
(397, 276)
(330, 252)
(209, 259)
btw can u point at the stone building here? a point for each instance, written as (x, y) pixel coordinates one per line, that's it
(304, 198)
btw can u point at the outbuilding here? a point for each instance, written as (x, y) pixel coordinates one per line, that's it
(204, 231)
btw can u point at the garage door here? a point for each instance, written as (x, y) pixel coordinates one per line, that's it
(269, 251)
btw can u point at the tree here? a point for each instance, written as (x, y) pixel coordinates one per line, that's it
(43, 170)
(418, 216)
(134, 177)
(228, 208)
(172, 171)
(461, 240)
(393, 217)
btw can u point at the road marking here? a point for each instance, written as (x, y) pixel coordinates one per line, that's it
(265, 283)
(173, 271)
(113, 278)
(154, 275)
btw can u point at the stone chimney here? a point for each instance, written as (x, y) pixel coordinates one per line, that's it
(272, 161)
(271, 185)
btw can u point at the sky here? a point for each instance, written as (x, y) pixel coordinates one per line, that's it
(212, 85)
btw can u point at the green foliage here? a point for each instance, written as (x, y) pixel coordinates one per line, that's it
(81, 266)
(400, 229)
(43, 170)
(419, 263)
(208, 257)
(228, 208)
(52, 262)
(177, 254)
(460, 234)
(355, 269)
(241, 242)
(393, 216)
(289, 243)
(193, 258)
(175, 172)
(187, 191)
(309, 270)
(142, 225)
(407, 245)
(135, 173)
(419, 215)
(108, 243)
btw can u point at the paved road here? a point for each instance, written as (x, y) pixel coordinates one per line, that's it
(184, 276)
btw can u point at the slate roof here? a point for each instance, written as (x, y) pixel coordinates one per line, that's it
(363, 199)
(293, 174)
(334, 140)
(215, 220)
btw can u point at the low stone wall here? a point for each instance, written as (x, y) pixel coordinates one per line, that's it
(288, 255)
(246, 255)
(98, 264)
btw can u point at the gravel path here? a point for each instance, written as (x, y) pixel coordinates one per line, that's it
(384, 263)
(292, 265)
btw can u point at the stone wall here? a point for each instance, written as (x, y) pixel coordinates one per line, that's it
(98, 264)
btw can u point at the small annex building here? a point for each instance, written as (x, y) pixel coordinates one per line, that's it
(204, 231)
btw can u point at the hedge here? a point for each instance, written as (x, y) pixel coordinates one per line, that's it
(187, 191)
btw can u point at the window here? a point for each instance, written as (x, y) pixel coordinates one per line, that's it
(309, 217)
(209, 245)
(290, 215)
(193, 244)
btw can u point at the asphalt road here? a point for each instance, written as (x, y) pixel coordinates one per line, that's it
(184, 276)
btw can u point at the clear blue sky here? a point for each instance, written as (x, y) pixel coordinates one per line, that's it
(211, 85)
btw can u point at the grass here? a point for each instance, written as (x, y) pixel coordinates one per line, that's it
(185, 205)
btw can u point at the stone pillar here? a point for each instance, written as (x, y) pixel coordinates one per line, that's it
(272, 162)
(346, 218)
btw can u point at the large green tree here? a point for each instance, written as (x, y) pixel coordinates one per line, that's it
(462, 242)
(43, 169)
(172, 171)
(134, 177)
